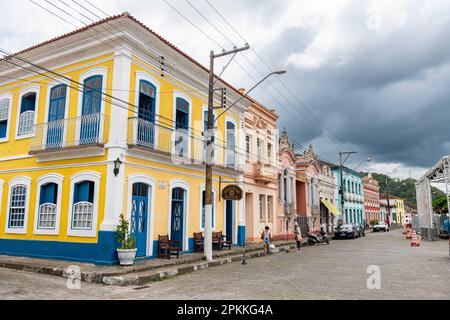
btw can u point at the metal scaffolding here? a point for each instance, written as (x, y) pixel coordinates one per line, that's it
(428, 222)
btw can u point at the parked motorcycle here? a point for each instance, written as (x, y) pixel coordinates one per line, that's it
(315, 238)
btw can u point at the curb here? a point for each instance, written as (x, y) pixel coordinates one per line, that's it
(164, 274)
(156, 272)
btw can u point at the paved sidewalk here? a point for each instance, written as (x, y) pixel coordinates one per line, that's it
(143, 270)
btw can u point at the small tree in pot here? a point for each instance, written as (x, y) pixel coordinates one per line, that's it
(127, 245)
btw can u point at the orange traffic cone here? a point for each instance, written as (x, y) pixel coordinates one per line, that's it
(415, 241)
(409, 234)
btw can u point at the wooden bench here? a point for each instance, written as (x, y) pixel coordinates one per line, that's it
(167, 247)
(199, 242)
(220, 241)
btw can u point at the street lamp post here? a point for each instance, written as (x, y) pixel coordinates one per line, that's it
(209, 135)
(341, 168)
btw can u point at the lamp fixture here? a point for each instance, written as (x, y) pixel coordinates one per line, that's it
(117, 164)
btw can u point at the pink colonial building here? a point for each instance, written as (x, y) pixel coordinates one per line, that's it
(260, 172)
(308, 206)
(286, 199)
(371, 199)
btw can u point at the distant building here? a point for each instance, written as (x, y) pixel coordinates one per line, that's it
(316, 191)
(286, 204)
(371, 199)
(353, 195)
(260, 171)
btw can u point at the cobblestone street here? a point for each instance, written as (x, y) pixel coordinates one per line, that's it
(337, 271)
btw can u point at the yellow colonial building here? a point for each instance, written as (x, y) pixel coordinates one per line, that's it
(109, 119)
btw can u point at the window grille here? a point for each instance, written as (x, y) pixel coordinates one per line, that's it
(4, 110)
(26, 121)
(47, 216)
(17, 207)
(82, 216)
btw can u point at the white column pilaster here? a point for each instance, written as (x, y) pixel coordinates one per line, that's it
(117, 143)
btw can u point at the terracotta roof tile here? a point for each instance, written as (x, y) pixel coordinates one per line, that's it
(115, 17)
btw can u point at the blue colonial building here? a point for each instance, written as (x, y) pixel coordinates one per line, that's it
(353, 195)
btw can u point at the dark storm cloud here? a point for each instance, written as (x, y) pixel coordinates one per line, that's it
(383, 94)
(375, 74)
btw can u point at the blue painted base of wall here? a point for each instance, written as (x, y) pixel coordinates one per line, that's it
(102, 253)
(241, 235)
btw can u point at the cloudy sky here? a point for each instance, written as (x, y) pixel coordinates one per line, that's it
(370, 76)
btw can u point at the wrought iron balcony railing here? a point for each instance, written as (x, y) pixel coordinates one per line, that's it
(182, 145)
(82, 131)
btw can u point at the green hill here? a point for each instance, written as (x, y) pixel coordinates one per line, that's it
(405, 189)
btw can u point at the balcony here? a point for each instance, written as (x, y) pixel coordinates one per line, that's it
(289, 209)
(265, 173)
(81, 133)
(180, 145)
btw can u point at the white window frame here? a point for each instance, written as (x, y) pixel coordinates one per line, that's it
(99, 71)
(8, 97)
(145, 76)
(31, 89)
(58, 180)
(236, 142)
(202, 229)
(187, 98)
(216, 151)
(77, 178)
(248, 147)
(50, 86)
(25, 181)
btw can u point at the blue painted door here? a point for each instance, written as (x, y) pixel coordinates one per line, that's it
(139, 218)
(146, 115)
(92, 102)
(229, 213)
(178, 200)
(56, 113)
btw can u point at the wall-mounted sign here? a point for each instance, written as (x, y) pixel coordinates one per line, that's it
(232, 192)
(162, 185)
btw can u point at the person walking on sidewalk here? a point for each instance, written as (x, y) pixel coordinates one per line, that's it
(298, 236)
(266, 237)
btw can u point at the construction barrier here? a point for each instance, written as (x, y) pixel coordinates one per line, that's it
(415, 241)
(409, 234)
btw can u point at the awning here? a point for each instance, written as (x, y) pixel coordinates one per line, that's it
(333, 209)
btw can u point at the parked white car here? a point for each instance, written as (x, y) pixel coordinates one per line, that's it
(381, 226)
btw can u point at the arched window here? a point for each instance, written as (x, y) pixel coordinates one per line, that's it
(182, 127)
(285, 185)
(27, 111)
(83, 205)
(146, 114)
(91, 109)
(92, 95)
(280, 187)
(205, 130)
(56, 114)
(17, 207)
(48, 206)
(4, 115)
(231, 144)
(147, 98)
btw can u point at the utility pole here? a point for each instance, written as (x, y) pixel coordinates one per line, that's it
(341, 168)
(388, 204)
(209, 145)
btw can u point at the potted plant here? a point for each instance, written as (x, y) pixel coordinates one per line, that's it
(127, 245)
